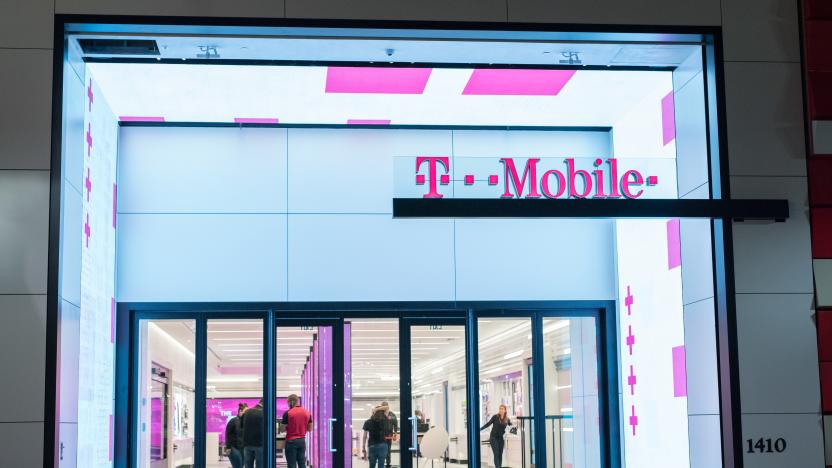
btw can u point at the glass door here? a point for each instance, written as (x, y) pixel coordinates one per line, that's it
(435, 395)
(309, 376)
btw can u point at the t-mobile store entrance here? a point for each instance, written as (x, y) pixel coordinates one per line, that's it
(503, 248)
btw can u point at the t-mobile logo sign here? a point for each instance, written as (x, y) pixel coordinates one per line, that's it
(539, 178)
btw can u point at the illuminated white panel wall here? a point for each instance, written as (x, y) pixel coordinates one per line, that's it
(651, 334)
(96, 356)
(228, 214)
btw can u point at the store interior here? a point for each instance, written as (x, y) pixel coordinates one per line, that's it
(235, 376)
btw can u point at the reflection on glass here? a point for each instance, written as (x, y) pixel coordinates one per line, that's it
(304, 396)
(166, 393)
(372, 379)
(234, 388)
(505, 406)
(571, 387)
(439, 395)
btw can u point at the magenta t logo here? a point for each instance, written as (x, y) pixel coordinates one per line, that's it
(443, 179)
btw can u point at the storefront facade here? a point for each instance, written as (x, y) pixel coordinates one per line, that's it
(463, 222)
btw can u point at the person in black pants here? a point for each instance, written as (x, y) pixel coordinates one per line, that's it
(252, 425)
(234, 438)
(498, 424)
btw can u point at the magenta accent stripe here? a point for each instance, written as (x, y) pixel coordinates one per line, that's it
(680, 376)
(674, 245)
(115, 204)
(377, 80)
(140, 118)
(513, 82)
(258, 120)
(367, 122)
(110, 452)
(668, 119)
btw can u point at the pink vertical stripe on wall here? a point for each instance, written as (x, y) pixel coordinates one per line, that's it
(668, 119)
(680, 376)
(377, 80)
(110, 450)
(674, 245)
(514, 82)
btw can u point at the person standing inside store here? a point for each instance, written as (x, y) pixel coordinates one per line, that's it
(252, 425)
(296, 422)
(498, 424)
(377, 429)
(234, 438)
(394, 432)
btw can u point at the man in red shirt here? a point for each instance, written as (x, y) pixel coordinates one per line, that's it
(296, 423)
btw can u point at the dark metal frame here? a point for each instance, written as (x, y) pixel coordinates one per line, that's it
(333, 314)
(721, 227)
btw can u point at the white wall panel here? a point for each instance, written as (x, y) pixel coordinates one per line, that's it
(704, 432)
(71, 246)
(201, 258)
(431, 10)
(691, 135)
(764, 115)
(202, 170)
(524, 259)
(370, 258)
(778, 357)
(773, 257)
(700, 358)
(697, 262)
(70, 316)
(193, 8)
(803, 435)
(497, 144)
(68, 445)
(26, 94)
(822, 136)
(26, 24)
(760, 30)
(615, 12)
(24, 204)
(823, 281)
(351, 170)
(23, 347)
(74, 133)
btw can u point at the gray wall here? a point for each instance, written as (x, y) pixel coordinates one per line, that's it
(765, 133)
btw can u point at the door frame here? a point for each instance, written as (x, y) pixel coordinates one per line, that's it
(407, 312)
(336, 430)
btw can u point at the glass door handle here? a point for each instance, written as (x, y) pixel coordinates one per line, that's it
(413, 443)
(331, 448)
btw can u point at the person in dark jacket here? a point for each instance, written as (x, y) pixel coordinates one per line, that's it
(252, 425)
(234, 438)
(498, 424)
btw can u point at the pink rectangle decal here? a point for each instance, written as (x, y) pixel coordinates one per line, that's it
(255, 120)
(514, 82)
(377, 80)
(674, 245)
(110, 452)
(680, 376)
(367, 122)
(140, 118)
(668, 119)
